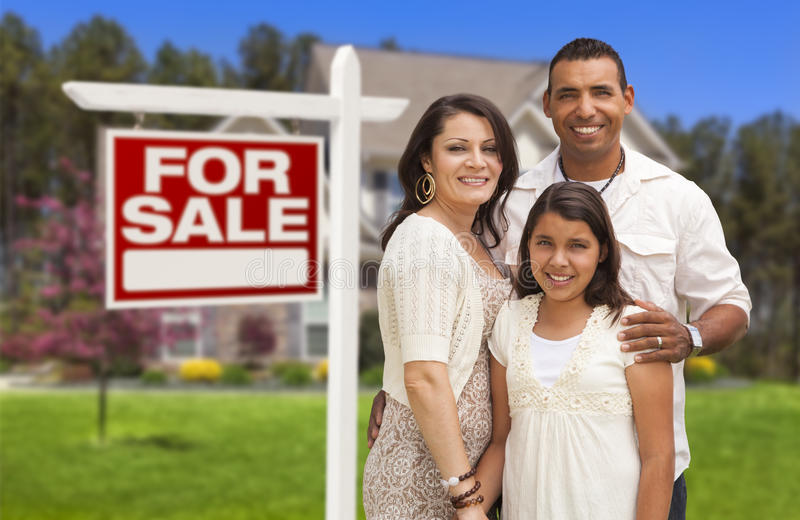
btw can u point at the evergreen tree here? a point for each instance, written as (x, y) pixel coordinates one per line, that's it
(99, 50)
(190, 68)
(25, 133)
(263, 59)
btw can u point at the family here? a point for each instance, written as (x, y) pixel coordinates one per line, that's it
(535, 325)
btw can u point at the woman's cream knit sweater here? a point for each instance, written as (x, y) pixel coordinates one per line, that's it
(429, 302)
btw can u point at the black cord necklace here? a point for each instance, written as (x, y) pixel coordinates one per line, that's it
(619, 167)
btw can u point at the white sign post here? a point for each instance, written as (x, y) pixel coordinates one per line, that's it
(345, 108)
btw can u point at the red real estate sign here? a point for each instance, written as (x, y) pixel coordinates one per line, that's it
(197, 218)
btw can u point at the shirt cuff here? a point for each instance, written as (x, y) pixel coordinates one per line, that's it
(745, 306)
(425, 347)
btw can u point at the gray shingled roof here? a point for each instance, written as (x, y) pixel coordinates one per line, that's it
(422, 78)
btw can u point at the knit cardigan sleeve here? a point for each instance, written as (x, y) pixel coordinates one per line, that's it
(430, 307)
(423, 278)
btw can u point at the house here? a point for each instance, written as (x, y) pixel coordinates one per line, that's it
(515, 86)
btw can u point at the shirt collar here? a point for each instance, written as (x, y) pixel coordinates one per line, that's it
(542, 175)
(638, 168)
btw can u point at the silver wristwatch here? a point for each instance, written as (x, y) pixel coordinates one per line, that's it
(697, 340)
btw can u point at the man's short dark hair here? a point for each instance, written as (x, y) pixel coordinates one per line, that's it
(588, 49)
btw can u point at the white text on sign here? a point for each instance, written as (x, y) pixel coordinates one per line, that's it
(150, 214)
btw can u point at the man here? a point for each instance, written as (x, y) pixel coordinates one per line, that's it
(673, 250)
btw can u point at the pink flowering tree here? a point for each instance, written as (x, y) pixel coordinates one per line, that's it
(60, 311)
(256, 337)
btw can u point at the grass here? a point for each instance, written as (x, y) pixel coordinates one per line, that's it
(745, 453)
(262, 455)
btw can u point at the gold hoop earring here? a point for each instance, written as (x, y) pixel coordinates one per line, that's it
(428, 188)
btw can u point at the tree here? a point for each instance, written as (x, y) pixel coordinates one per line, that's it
(24, 132)
(100, 50)
(766, 238)
(271, 62)
(389, 44)
(40, 124)
(175, 67)
(256, 338)
(229, 76)
(299, 60)
(793, 174)
(262, 55)
(61, 312)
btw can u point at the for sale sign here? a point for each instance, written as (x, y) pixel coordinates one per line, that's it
(199, 218)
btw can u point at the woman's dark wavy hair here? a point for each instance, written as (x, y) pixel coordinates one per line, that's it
(576, 201)
(431, 124)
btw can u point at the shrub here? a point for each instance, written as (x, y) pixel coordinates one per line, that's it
(372, 376)
(370, 351)
(125, 367)
(700, 370)
(153, 377)
(5, 366)
(235, 375)
(200, 369)
(321, 371)
(256, 338)
(292, 373)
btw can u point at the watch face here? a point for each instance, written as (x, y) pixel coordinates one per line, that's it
(697, 340)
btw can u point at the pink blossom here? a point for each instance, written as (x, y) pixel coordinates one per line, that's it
(50, 291)
(77, 285)
(51, 203)
(66, 164)
(26, 244)
(69, 248)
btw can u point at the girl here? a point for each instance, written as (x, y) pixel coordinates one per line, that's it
(584, 431)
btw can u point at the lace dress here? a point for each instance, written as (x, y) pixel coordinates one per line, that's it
(571, 452)
(401, 480)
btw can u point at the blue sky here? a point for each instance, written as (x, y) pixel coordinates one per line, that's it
(692, 59)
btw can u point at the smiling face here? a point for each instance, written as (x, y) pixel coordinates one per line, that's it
(564, 254)
(464, 162)
(587, 107)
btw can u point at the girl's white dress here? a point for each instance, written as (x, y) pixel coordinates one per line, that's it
(571, 452)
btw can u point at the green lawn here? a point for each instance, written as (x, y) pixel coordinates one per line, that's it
(745, 453)
(261, 455)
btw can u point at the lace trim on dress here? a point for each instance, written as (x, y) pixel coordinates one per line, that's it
(525, 391)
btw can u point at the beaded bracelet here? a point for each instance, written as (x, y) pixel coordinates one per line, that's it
(471, 502)
(453, 481)
(465, 494)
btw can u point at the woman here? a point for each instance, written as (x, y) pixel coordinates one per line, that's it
(585, 432)
(438, 294)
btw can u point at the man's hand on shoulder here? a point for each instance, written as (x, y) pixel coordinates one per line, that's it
(375, 417)
(645, 329)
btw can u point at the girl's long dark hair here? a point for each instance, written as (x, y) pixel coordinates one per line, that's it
(576, 201)
(431, 124)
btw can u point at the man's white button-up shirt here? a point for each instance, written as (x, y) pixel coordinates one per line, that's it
(672, 244)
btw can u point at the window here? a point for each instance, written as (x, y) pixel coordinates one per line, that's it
(185, 327)
(315, 326)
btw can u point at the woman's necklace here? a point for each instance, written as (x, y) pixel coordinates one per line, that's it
(619, 166)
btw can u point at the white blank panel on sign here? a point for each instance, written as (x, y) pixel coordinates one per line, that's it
(159, 269)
